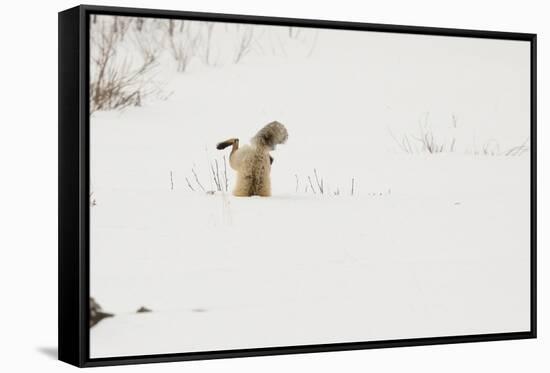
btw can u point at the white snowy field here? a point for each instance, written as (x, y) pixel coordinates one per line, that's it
(222, 272)
(427, 244)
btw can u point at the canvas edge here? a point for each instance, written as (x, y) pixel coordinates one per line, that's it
(303, 22)
(533, 174)
(288, 350)
(73, 267)
(70, 275)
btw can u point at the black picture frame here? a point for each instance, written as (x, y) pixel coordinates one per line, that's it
(73, 44)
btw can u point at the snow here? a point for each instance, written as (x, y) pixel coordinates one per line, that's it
(427, 245)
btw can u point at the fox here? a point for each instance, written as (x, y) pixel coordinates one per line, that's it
(252, 163)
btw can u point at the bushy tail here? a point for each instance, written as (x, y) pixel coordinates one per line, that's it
(270, 135)
(226, 143)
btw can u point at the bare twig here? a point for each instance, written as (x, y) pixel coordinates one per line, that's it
(171, 181)
(245, 43)
(189, 184)
(311, 184)
(197, 180)
(313, 44)
(183, 46)
(518, 150)
(319, 184)
(225, 174)
(218, 175)
(404, 144)
(209, 31)
(215, 176)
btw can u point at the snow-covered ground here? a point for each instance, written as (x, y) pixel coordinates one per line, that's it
(427, 245)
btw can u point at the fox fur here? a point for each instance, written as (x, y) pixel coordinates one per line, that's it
(253, 162)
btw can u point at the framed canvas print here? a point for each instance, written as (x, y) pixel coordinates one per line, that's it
(239, 185)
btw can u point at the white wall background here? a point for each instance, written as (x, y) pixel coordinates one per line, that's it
(28, 187)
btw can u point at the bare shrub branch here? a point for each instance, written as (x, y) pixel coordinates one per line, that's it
(518, 150)
(244, 45)
(225, 174)
(428, 143)
(319, 183)
(189, 184)
(117, 80)
(216, 176)
(311, 184)
(208, 45)
(197, 180)
(183, 45)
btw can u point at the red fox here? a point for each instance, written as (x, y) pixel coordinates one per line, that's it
(253, 162)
